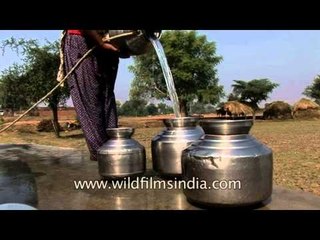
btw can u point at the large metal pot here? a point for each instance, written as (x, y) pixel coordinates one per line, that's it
(132, 42)
(121, 156)
(234, 168)
(167, 146)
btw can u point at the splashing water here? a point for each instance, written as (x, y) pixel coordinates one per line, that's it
(167, 75)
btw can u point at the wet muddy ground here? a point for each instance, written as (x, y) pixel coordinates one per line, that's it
(44, 177)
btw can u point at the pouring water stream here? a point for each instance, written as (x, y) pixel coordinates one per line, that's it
(167, 75)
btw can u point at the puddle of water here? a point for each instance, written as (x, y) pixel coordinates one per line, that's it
(17, 183)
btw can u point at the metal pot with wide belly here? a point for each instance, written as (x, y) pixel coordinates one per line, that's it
(234, 168)
(167, 146)
(132, 42)
(121, 156)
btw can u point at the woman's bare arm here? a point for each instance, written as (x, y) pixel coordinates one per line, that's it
(95, 36)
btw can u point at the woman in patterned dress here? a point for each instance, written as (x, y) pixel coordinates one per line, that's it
(92, 84)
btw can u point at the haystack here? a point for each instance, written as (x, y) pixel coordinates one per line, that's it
(304, 104)
(236, 109)
(277, 110)
(306, 108)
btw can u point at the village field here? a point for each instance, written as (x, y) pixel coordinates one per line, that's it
(295, 144)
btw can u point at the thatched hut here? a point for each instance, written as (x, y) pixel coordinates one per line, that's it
(306, 108)
(236, 109)
(305, 104)
(277, 110)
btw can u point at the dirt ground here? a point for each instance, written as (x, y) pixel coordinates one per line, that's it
(295, 144)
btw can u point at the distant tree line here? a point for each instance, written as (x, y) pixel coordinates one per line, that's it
(140, 107)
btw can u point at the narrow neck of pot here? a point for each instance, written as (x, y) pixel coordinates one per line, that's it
(182, 122)
(226, 127)
(123, 132)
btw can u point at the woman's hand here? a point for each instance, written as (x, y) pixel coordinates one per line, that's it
(94, 35)
(109, 47)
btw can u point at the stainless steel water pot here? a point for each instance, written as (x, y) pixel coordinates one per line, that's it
(234, 168)
(168, 145)
(121, 156)
(132, 42)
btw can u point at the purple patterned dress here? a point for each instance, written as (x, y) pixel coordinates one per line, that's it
(92, 89)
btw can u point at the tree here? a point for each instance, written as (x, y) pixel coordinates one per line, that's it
(13, 83)
(313, 91)
(151, 109)
(164, 108)
(118, 103)
(40, 66)
(233, 97)
(192, 60)
(133, 107)
(254, 91)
